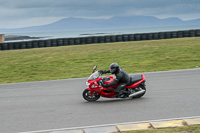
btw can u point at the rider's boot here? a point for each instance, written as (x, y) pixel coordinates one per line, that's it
(118, 93)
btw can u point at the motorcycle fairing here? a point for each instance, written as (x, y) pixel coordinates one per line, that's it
(109, 92)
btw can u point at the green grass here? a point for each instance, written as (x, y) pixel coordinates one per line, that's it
(78, 60)
(184, 129)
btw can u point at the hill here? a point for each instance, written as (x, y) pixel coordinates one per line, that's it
(114, 22)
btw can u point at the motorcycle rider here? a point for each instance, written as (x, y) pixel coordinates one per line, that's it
(121, 76)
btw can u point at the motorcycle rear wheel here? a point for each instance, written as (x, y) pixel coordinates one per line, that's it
(87, 96)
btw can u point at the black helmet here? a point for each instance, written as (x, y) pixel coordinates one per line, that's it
(114, 67)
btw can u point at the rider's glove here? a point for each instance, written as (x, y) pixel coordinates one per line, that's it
(102, 71)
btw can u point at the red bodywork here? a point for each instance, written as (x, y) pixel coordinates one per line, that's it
(94, 87)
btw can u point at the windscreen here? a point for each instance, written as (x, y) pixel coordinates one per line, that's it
(94, 76)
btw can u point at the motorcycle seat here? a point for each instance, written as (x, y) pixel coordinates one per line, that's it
(135, 79)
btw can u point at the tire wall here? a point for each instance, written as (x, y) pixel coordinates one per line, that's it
(98, 39)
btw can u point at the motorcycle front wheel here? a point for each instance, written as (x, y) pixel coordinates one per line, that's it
(87, 96)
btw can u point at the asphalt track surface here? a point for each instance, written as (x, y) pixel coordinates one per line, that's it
(59, 104)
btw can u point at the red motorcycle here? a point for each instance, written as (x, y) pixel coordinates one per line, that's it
(94, 91)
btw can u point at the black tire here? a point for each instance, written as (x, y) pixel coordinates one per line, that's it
(88, 97)
(143, 88)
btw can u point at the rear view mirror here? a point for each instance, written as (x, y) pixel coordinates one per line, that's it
(95, 68)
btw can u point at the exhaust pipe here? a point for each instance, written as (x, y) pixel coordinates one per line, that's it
(137, 93)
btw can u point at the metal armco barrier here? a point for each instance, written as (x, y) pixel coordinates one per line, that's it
(99, 39)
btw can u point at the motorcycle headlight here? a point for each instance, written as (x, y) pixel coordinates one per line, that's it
(87, 84)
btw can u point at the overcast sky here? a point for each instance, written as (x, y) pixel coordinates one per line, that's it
(23, 13)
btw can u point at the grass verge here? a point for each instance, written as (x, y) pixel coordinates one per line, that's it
(184, 129)
(77, 61)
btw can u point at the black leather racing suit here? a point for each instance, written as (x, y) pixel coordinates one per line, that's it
(122, 77)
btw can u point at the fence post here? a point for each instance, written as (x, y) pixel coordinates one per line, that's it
(2, 38)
